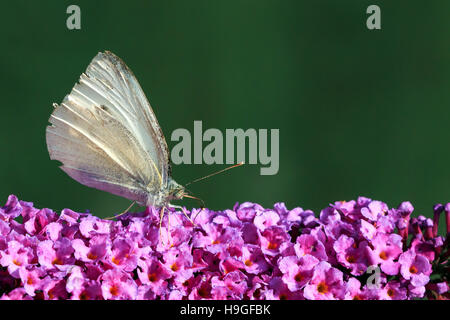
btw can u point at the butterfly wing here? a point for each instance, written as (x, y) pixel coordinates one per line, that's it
(106, 134)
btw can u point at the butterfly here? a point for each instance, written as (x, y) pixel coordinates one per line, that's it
(107, 137)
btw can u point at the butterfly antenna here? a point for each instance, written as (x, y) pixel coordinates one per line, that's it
(192, 197)
(217, 172)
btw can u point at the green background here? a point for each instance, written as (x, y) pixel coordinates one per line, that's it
(360, 112)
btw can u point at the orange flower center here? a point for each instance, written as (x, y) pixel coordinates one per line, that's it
(322, 288)
(248, 262)
(17, 263)
(299, 277)
(114, 290)
(272, 246)
(30, 280)
(85, 296)
(351, 259)
(115, 260)
(390, 292)
(57, 261)
(174, 267)
(91, 256)
(357, 297)
(152, 277)
(413, 269)
(383, 255)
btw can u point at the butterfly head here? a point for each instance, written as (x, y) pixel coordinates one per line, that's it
(175, 190)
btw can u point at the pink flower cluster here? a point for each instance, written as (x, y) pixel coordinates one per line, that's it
(354, 250)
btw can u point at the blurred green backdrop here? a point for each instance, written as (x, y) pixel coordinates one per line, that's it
(360, 112)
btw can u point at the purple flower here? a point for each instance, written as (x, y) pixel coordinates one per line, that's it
(55, 289)
(352, 255)
(425, 248)
(265, 219)
(326, 283)
(15, 257)
(273, 240)
(353, 290)
(254, 260)
(153, 273)
(31, 279)
(309, 244)
(93, 250)
(116, 284)
(367, 230)
(278, 290)
(91, 226)
(231, 286)
(201, 288)
(178, 258)
(297, 272)
(247, 252)
(17, 294)
(230, 264)
(393, 290)
(12, 209)
(247, 211)
(257, 287)
(415, 267)
(373, 210)
(81, 288)
(403, 213)
(386, 249)
(53, 230)
(124, 254)
(347, 209)
(55, 255)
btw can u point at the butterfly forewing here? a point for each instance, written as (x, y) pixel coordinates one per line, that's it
(106, 134)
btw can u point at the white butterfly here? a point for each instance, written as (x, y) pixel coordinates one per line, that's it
(107, 137)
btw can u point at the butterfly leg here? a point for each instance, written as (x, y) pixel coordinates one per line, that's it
(198, 213)
(120, 214)
(169, 237)
(161, 215)
(184, 212)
